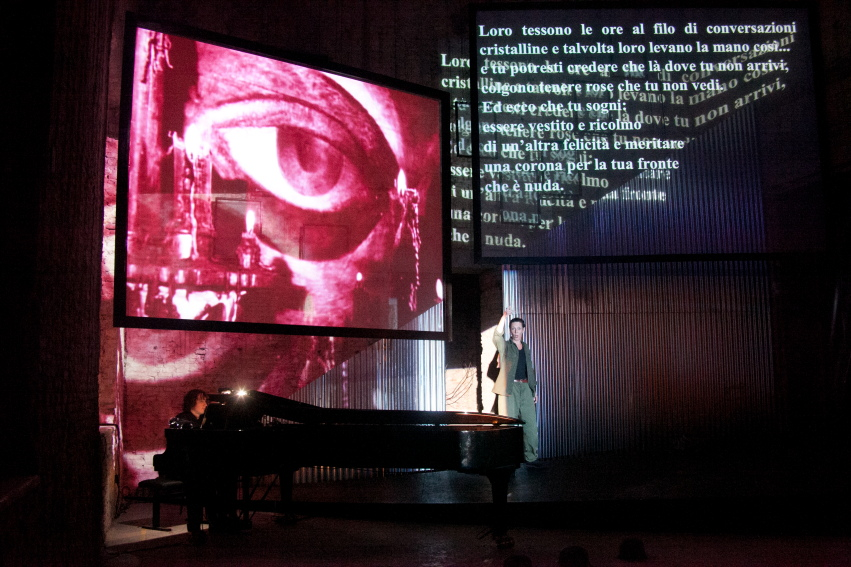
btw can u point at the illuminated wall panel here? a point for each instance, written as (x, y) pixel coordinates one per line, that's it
(643, 356)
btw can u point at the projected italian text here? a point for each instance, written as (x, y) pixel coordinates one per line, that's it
(582, 113)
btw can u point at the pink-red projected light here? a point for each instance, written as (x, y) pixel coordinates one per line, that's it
(261, 191)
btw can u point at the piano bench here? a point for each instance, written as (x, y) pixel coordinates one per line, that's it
(160, 489)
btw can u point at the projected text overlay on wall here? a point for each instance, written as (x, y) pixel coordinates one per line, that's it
(642, 132)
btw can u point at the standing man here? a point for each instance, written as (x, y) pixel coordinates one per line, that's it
(515, 385)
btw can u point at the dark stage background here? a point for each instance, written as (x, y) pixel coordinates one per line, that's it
(63, 105)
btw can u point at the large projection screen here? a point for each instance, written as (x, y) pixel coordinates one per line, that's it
(655, 133)
(260, 192)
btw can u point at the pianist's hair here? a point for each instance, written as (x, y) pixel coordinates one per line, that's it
(191, 397)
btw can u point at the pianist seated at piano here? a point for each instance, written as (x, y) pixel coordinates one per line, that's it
(253, 434)
(194, 407)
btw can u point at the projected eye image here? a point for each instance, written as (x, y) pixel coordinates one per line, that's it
(267, 192)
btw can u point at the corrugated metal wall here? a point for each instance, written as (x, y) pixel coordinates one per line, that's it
(639, 356)
(630, 356)
(711, 202)
(390, 374)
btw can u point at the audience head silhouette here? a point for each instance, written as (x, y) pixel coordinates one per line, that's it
(573, 556)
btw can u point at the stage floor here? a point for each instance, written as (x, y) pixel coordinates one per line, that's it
(765, 506)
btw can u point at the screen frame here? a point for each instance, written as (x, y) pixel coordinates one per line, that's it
(120, 316)
(819, 126)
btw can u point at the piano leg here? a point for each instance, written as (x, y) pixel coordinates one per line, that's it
(285, 512)
(243, 512)
(499, 479)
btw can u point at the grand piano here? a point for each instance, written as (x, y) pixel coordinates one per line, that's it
(249, 434)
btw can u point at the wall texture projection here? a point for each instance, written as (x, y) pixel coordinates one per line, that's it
(144, 373)
(384, 375)
(647, 356)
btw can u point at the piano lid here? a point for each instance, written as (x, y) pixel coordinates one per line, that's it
(251, 405)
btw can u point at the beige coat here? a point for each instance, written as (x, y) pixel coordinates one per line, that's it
(508, 355)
